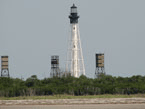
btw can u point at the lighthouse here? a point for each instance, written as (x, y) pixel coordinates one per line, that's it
(75, 62)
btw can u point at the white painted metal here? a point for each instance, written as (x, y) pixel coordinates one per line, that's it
(75, 61)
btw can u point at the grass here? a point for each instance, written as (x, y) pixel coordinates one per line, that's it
(72, 97)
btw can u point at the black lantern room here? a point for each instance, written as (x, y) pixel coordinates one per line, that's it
(73, 15)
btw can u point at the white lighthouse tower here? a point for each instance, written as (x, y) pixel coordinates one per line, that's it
(75, 61)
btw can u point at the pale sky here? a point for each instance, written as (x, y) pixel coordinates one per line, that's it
(33, 30)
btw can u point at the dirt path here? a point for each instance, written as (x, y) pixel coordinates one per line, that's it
(91, 106)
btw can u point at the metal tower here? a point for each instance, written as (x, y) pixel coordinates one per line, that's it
(75, 62)
(55, 72)
(100, 69)
(4, 66)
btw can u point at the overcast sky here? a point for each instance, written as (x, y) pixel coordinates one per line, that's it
(33, 30)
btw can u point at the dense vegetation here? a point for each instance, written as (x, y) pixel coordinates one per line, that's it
(10, 87)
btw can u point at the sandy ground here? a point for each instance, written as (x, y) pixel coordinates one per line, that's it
(91, 106)
(75, 101)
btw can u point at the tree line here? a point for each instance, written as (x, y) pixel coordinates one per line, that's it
(32, 86)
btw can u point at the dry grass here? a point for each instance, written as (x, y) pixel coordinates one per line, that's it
(72, 97)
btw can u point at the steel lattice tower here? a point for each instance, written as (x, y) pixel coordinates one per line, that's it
(55, 72)
(100, 69)
(4, 66)
(75, 62)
